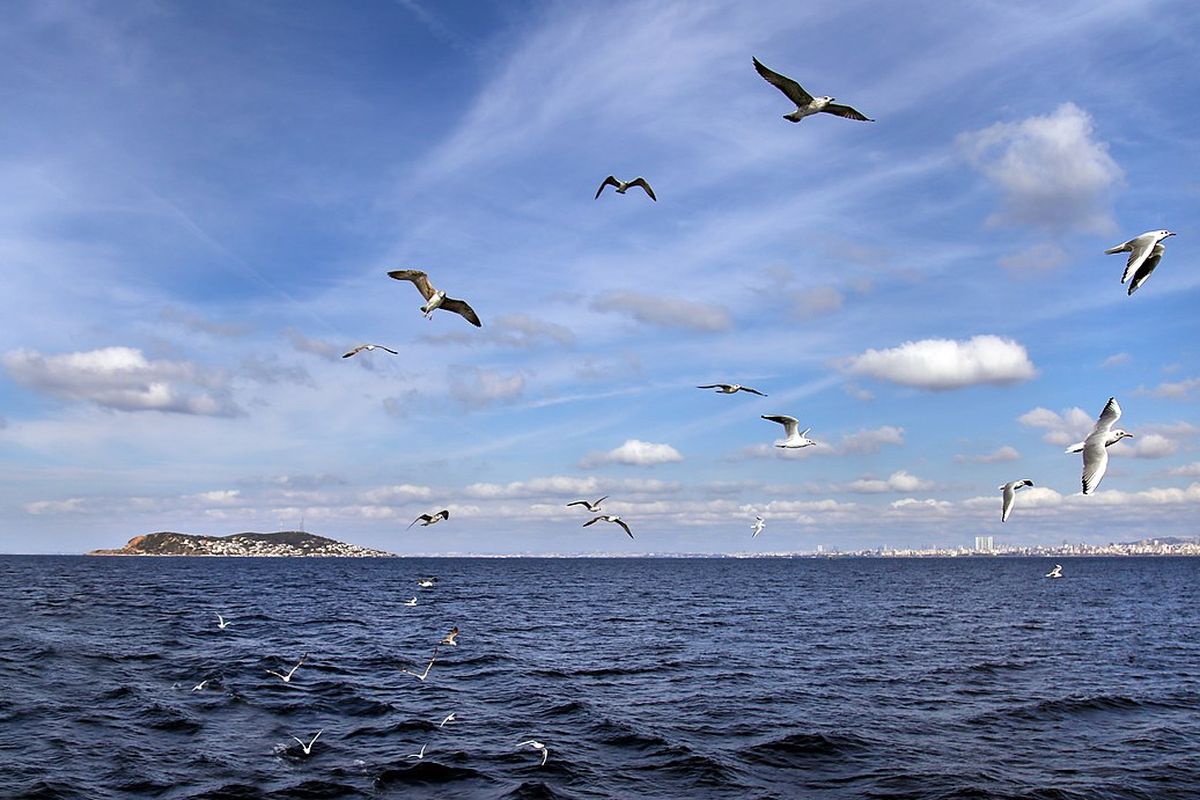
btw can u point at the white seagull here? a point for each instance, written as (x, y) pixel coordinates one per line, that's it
(731, 388)
(435, 298)
(592, 507)
(806, 104)
(421, 676)
(430, 519)
(759, 524)
(451, 637)
(1010, 494)
(1114, 436)
(420, 755)
(610, 518)
(221, 623)
(1056, 572)
(791, 426)
(427, 583)
(308, 747)
(1095, 453)
(536, 745)
(622, 186)
(368, 348)
(449, 718)
(1145, 252)
(288, 677)
(411, 603)
(199, 687)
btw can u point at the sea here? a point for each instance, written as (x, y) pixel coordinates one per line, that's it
(642, 678)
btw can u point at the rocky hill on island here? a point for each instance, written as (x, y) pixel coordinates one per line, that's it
(281, 544)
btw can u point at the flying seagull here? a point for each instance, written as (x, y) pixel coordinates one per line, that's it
(411, 603)
(1010, 494)
(536, 745)
(610, 518)
(199, 687)
(435, 298)
(421, 676)
(1114, 436)
(731, 388)
(791, 426)
(806, 104)
(288, 677)
(1095, 453)
(308, 747)
(449, 718)
(1056, 572)
(592, 507)
(221, 623)
(1145, 252)
(759, 524)
(369, 348)
(426, 583)
(450, 637)
(622, 186)
(420, 755)
(430, 519)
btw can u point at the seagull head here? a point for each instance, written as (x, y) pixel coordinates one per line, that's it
(827, 98)
(1122, 434)
(1165, 234)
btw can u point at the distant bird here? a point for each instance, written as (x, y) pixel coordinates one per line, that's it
(592, 507)
(368, 348)
(1056, 572)
(411, 603)
(1114, 436)
(430, 519)
(1145, 252)
(427, 583)
(622, 186)
(221, 623)
(434, 298)
(1095, 453)
(450, 637)
(759, 524)
(1010, 494)
(791, 426)
(288, 677)
(610, 518)
(421, 676)
(308, 747)
(449, 718)
(536, 745)
(731, 388)
(419, 755)
(806, 104)
(199, 687)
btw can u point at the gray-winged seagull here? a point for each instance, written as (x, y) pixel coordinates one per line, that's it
(1114, 436)
(731, 388)
(430, 519)
(536, 745)
(806, 104)
(1145, 252)
(610, 518)
(623, 186)
(369, 348)
(1010, 494)
(758, 525)
(1095, 452)
(791, 426)
(435, 298)
(592, 507)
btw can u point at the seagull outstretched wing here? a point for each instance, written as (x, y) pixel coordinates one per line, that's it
(611, 180)
(847, 112)
(418, 278)
(461, 308)
(791, 425)
(794, 91)
(639, 181)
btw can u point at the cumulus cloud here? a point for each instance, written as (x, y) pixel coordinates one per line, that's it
(665, 311)
(1151, 445)
(68, 506)
(123, 379)
(899, 481)
(1188, 470)
(397, 493)
(941, 364)
(476, 387)
(871, 440)
(928, 504)
(1053, 173)
(635, 453)
(1032, 260)
(1000, 454)
(1177, 390)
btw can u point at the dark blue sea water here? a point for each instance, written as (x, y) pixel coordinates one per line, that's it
(955, 678)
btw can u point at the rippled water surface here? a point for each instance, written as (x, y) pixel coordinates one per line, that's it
(647, 678)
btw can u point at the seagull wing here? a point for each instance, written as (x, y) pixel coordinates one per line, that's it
(621, 522)
(714, 386)
(846, 112)
(388, 349)
(353, 352)
(639, 181)
(794, 91)
(1143, 272)
(1141, 249)
(460, 307)
(419, 279)
(1095, 463)
(1075, 448)
(584, 503)
(791, 425)
(752, 391)
(1108, 417)
(601, 500)
(609, 181)
(1009, 496)
(424, 517)
(591, 521)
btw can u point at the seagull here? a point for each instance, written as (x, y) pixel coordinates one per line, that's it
(1056, 572)
(806, 104)
(536, 745)
(450, 637)
(791, 426)
(199, 687)
(759, 524)
(610, 518)
(411, 603)
(368, 348)
(1114, 436)
(308, 747)
(421, 676)
(435, 298)
(449, 718)
(731, 388)
(1095, 454)
(430, 519)
(1010, 494)
(420, 755)
(592, 507)
(288, 678)
(1145, 252)
(426, 583)
(622, 186)
(221, 623)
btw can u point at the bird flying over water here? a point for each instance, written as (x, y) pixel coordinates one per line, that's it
(1145, 252)
(806, 104)
(610, 518)
(369, 348)
(1056, 572)
(411, 603)
(1095, 451)
(288, 677)
(421, 676)
(731, 388)
(308, 747)
(199, 687)
(1010, 494)
(426, 583)
(221, 623)
(623, 186)
(796, 438)
(592, 507)
(759, 524)
(420, 755)
(430, 519)
(435, 298)
(449, 718)
(450, 637)
(536, 745)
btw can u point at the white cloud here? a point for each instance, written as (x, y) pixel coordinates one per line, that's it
(1000, 454)
(398, 493)
(871, 440)
(899, 481)
(194, 322)
(1188, 470)
(665, 311)
(1178, 390)
(1116, 360)
(477, 387)
(940, 364)
(635, 453)
(1052, 172)
(928, 504)
(1150, 445)
(510, 330)
(860, 442)
(123, 379)
(1072, 426)
(71, 505)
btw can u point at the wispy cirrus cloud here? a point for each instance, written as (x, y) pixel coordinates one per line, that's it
(665, 311)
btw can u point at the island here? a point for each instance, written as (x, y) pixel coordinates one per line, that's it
(291, 544)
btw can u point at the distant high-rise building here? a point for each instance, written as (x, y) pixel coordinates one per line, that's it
(983, 544)
(820, 548)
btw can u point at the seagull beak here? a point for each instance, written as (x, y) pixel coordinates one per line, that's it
(1169, 233)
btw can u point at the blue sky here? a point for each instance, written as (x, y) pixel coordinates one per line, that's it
(200, 202)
